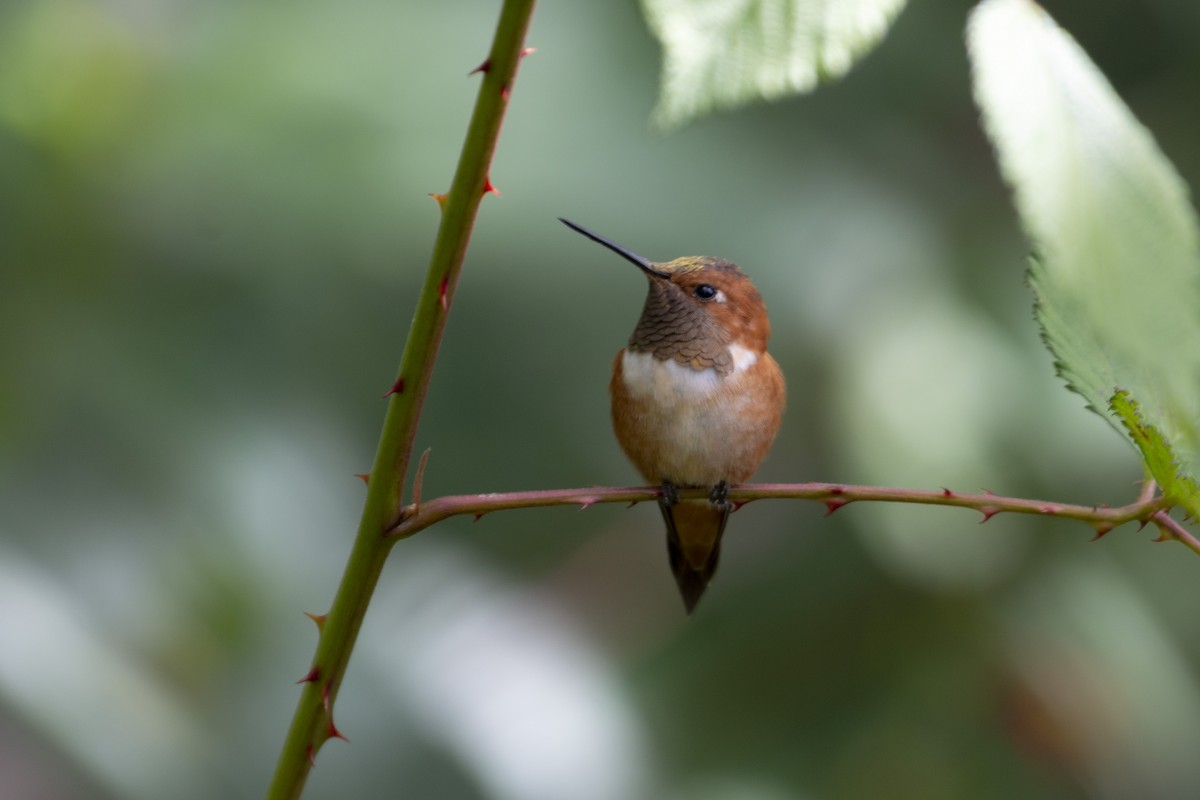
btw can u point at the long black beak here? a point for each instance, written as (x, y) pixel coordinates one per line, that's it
(645, 264)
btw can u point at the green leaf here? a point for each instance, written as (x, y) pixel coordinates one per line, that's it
(724, 53)
(1156, 451)
(1117, 266)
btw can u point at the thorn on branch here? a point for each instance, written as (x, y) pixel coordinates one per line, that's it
(365, 477)
(528, 51)
(946, 492)
(319, 619)
(311, 755)
(312, 676)
(484, 68)
(397, 388)
(488, 188)
(587, 502)
(442, 289)
(440, 198)
(1102, 528)
(478, 516)
(987, 511)
(334, 733)
(833, 505)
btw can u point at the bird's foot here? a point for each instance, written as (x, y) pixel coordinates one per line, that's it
(669, 496)
(720, 497)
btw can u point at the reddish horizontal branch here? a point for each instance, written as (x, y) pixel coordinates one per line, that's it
(1146, 509)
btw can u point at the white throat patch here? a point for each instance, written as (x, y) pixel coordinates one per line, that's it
(670, 382)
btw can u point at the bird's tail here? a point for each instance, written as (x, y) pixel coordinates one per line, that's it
(694, 529)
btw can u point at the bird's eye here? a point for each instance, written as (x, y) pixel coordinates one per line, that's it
(705, 292)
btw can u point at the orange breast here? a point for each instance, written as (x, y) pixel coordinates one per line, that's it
(693, 427)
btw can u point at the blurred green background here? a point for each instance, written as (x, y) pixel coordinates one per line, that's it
(213, 223)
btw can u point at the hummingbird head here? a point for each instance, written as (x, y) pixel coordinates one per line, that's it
(697, 307)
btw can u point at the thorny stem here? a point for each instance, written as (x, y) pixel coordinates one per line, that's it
(1148, 508)
(312, 725)
(1171, 529)
(385, 521)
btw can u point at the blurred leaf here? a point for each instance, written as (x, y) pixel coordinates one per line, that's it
(1117, 265)
(69, 75)
(726, 53)
(93, 699)
(1119, 698)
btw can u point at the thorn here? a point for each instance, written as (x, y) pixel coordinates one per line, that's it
(485, 67)
(946, 492)
(837, 490)
(334, 733)
(311, 755)
(737, 504)
(587, 502)
(325, 700)
(988, 511)
(478, 516)
(1101, 529)
(528, 51)
(317, 618)
(504, 92)
(1051, 510)
(632, 503)
(988, 492)
(1142, 523)
(442, 292)
(397, 388)
(1163, 536)
(834, 505)
(488, 188)
(313, 676)
(441, 199)
(365, 477)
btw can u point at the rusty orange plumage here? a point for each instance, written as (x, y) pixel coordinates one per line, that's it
(696, 398)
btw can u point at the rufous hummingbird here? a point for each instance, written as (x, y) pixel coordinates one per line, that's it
(696, 398)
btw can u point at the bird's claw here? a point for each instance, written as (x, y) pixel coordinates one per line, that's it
(720, 497)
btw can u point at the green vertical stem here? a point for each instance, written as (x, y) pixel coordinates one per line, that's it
(312, 724)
